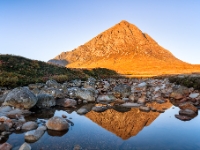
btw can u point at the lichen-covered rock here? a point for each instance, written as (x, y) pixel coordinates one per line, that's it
(57, 123)
(45, 101)
(20, 98)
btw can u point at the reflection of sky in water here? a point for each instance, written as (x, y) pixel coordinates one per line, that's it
(165, 133)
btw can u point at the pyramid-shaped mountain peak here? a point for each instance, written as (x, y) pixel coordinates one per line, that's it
(124, 48)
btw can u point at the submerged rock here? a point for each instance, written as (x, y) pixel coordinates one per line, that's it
(57, 123)
(21, 98)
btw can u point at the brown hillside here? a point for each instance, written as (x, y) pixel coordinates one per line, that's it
(127, 50)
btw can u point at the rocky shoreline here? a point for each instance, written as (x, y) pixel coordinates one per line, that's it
(93, 95)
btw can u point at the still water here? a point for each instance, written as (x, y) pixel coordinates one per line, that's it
(112, 130)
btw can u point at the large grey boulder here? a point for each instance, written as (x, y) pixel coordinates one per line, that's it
(122, 90)
(21, 98)
(56, 93)
(85, 94)
(57, 123)
(45, 101)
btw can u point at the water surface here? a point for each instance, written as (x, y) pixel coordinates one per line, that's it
(160, 132)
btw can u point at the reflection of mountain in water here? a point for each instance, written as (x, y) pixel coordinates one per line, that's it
(127, 124)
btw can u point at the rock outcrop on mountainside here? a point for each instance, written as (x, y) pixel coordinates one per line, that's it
(125, 49)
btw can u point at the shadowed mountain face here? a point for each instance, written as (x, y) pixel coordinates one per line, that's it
(126, 49)
(127, 124)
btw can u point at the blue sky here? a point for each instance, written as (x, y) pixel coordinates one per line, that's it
(42, 29)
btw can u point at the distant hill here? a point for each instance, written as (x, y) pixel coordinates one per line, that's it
(17, 71)
(127, 50)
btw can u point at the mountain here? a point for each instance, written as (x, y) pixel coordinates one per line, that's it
(127, 50)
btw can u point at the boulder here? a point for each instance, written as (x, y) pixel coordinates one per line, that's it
(122, 90)
(188, 105)
(45, 101)
(57, 123)
(21, 98)
(106, 98)
(85, 94)
(25, 146)
(183, 117)
(31, 125)
(187, 112)
(180, 93)
(66, 102)
(33, 135)
(56, 93)
(5, 146)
